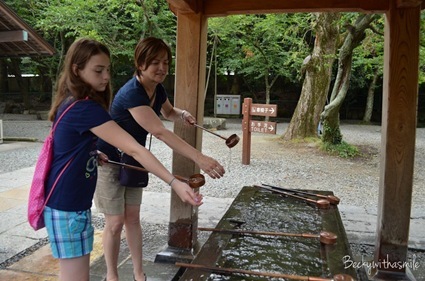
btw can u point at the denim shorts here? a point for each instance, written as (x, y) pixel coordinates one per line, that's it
(71, 234)
(110, 196)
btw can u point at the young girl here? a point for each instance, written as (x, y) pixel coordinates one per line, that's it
(85, 83)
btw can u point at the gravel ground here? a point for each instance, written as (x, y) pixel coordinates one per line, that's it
(296, 165)
(272, 161)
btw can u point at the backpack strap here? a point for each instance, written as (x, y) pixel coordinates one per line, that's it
(70, 160)
(63, 113)
(56, 181)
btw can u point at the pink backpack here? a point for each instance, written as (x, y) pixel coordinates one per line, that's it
(37, 200)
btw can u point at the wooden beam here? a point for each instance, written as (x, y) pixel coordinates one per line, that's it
(13, 36)
(225, 7)
(185, 6)
(33, 36)
(409, 3)
(191, 52)
(399, 110)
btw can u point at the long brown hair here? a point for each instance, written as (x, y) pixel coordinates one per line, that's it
(71, 85)
(147, 50)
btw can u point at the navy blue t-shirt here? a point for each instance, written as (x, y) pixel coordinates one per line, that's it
(131, 95)
(73, 139)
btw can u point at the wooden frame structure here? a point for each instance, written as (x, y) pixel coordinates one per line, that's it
(400, 95)
(18, 39)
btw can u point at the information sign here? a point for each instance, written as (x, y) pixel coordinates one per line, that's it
(263, 110)
(263, 127)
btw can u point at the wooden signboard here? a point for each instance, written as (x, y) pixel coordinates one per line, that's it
(248, 126)
(262, 127)
(263, 110)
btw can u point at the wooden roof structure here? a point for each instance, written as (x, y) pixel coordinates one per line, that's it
(400, 95)
(18, 39)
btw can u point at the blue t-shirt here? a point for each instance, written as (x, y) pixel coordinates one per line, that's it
(74, 140)
(131, 95)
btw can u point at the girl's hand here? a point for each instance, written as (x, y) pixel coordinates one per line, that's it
(186, 194)
(102, 158)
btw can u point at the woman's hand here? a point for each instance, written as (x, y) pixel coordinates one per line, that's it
(187, 118)
(186, 194)
(210, 166)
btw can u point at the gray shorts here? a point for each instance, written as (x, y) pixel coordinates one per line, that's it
(110, 196)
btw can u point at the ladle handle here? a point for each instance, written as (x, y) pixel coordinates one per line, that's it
(128, 166)
(267, 233)
(250, 272)
(287, 193)
(180, 178)
(301, 192)
(209, 131)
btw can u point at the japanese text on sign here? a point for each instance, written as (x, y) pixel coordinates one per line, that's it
(263, 127)
(264, 110)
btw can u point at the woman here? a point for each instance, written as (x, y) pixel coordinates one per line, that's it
(86, 79)
(136, 107)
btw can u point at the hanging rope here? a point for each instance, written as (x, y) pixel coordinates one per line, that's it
(210, 67)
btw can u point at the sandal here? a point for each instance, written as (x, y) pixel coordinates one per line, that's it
(146, 278)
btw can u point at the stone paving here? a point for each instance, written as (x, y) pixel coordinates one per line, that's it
(16, 236)
(25, 254)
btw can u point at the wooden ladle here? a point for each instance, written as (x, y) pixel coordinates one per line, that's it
(325, 237)
(331, 198)
(321, 203)
(194, 181)
(230, 141)
(337, 277)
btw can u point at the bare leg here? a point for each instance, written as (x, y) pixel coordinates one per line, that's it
(75, 269)
(133, 232)
(111, 244)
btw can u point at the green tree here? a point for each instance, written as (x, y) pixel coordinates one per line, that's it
(368, 63)
(317, 69)
(118, 23)
(264, 47)
(330, 116)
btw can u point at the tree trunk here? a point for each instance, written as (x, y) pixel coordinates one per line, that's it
(330, 116)
(370, 96)
(318, 68)
(235, 86)
(269, 86)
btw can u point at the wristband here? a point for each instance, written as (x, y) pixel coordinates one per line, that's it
(182, 115)
(171, 182)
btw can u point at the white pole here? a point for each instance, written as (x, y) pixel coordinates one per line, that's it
(1, 131)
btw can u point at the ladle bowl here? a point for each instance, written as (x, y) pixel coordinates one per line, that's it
(333, 199)
(342, 277)
(327, 238)
(230, 141)
(194, 181)
(321, 203)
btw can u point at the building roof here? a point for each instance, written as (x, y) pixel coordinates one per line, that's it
(18, 39)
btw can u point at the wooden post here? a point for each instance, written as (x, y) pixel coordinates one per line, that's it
(189, 92)
(398, 141)
(246, 133)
